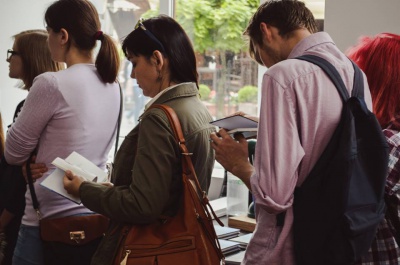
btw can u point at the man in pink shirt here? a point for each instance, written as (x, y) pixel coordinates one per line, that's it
(300, 109)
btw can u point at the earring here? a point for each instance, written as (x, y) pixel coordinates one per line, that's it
(159, 76)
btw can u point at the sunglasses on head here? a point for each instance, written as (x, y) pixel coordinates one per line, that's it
(140, 25)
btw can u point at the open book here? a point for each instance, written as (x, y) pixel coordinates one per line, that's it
(78, 165)
(238, 124)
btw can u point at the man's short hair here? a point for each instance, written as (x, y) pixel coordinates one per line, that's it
(286, 15)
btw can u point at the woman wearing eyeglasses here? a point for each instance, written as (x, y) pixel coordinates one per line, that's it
(75, 109)
(147, 168)
(28, 58)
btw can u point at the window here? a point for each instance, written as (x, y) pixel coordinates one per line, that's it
(228, 76)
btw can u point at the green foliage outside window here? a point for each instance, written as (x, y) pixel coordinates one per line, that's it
(204, 92)
(247, 94)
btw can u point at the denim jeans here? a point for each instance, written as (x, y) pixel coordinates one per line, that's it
(28, 250)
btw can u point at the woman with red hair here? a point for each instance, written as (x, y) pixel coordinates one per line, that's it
(379, 58)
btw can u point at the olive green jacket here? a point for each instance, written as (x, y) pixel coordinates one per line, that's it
(147, 168)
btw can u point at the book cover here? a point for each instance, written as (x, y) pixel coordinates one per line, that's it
(235, 259)
(219, 206)
(238, 124)
(225, 232)
(229, 247)
(243, 240)
(77, 164)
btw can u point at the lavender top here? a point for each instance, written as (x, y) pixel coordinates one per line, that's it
(300, 109)
(65, 111)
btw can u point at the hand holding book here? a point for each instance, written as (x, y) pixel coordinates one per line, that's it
(81, 170)
(72, 183)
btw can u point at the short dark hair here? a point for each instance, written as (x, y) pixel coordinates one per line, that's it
(286, 15)
(81, 20)
(176, 47)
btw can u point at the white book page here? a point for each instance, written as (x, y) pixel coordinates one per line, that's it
(82, 162)
(79, 165)
(54, 182)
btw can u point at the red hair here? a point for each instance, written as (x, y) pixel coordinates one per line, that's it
(379, 58)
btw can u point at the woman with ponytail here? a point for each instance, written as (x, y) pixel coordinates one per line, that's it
(75, 109)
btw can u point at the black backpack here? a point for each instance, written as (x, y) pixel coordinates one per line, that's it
(340, 204)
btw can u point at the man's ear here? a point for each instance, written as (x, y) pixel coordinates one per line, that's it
(64, 36)
(158, 59)
(266, 31)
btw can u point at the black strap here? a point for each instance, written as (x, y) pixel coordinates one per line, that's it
(119, 118)
(31, 187)
(333, 74)
(358, 86)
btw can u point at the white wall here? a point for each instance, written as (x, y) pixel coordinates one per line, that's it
(15, 16)
(19, 15)
(347, 20)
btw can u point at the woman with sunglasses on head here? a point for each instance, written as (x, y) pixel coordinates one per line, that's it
(147, 168)
(75, 109)
(28, 58)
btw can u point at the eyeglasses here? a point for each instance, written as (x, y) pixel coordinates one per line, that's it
(10, 53)
(139, 24)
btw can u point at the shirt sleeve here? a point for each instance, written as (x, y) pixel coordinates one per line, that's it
(40, 105)
(278, 149)
(156, 164)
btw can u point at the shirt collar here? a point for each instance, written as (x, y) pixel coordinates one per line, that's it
(162, 92)
(309, 42)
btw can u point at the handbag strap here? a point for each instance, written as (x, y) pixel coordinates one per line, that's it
(35, 201)
(187, 165)
(119, 118)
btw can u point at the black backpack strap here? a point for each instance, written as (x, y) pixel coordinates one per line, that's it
(331, 71)
(358, 87)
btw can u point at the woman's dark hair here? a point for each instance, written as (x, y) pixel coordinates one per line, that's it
(81, 20)
(286, 15)
(176, 47)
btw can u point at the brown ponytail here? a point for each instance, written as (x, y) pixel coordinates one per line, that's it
(81, 20)
(107, 60)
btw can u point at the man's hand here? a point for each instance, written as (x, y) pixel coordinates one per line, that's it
(232, 154)
(37, 169)
(72, 183)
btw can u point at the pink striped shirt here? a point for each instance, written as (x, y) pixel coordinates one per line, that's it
(300, 108)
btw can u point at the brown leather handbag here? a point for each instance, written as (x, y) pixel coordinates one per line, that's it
(74, 230)
(186, 238)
